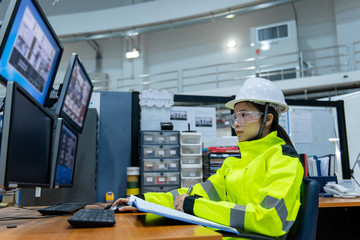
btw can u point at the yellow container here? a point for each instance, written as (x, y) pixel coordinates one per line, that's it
(133, 174)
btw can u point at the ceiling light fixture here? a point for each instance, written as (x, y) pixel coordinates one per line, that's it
(230, 16)
(265, 46)
(132, 54)
(231, 44)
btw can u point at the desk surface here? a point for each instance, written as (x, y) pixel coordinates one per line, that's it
(338, 202)
(128, 226)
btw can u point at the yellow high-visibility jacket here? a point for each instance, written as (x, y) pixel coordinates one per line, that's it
(259, 192)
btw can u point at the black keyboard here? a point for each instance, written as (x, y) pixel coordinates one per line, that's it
(93, 218)
(61, 209)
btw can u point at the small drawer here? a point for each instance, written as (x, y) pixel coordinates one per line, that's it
(172, 178)
(150, 164)
(160, 139)
(191, 160)
(173, 165)
(172, 137)
(149, 151)
(191, 172)
(187, 182)
(161, 165)
(149, 137)
(190, 138)
(165, 178)
(160, 180)
(191, 149)
(149, 179)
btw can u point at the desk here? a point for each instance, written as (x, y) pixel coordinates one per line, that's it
(338, 202)
(128, 226)
(338, 218)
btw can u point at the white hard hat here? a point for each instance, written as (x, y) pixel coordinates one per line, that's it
(260, 91)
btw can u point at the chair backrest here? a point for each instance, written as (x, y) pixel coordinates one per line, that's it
(305, 224)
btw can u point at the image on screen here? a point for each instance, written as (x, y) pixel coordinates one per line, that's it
(30, 51)
(26, 144)
(75, 94)
(65, 141)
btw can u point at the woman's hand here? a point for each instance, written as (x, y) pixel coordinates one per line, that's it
(179, 202)
(123, 202)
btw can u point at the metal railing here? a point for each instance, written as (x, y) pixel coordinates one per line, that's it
(316, 62)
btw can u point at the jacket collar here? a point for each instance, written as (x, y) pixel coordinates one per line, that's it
(259, 146)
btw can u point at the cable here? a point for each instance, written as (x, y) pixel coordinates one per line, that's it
(352, 171)
(2, 105)
(26, 218)
(9, 191)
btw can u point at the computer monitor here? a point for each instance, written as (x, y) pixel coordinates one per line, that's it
(64, 154)
(75, 94)
(30, 51)
(26, 143)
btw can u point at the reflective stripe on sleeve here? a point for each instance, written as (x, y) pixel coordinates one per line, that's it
(237, 216)
(280, 207)
(175, 194)
(210, 191)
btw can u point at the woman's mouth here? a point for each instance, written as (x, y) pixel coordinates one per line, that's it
(239, 132)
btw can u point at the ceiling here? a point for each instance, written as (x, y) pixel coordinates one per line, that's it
(62, 7)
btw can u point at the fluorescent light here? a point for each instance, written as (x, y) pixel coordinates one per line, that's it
(230, 16)
(231, 44)
(132, 54)
(265, 46)
(334, 139)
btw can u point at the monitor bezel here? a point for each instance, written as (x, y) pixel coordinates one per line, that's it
(12, 87)
(5, 30)
(59, 125)
(60, 104)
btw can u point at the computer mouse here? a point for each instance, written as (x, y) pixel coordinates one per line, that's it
(116, 208)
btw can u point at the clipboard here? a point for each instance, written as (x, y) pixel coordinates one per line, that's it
(157, 209)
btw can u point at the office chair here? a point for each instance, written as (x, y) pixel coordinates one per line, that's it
(304, 227)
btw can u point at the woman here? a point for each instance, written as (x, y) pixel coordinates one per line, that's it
(260, 191)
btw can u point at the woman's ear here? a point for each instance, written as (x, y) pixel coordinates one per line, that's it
(269, 120)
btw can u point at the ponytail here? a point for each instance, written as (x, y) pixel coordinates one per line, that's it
(284, 136)
(281, 133)
(280, 130)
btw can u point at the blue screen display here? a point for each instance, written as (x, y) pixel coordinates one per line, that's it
(31, 52)
(66, 157)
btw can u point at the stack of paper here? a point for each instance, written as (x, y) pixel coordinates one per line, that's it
(157, 209)
(321, 166)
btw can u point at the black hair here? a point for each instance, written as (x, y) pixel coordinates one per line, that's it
(275, 124)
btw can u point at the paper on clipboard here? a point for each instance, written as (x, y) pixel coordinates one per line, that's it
(157, 209)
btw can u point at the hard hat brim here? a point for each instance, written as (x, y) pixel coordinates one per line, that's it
(231, 104)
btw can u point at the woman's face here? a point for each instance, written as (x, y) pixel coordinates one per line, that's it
(246, 128)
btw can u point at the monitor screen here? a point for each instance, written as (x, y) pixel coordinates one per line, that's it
(75, 94)
(64, 154)
(30, 51)
(26, 143)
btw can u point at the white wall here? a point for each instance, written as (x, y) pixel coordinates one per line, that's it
(112, 57)
(352, 121)
(202, 44)
(135, 15)
(316, 24)
(347, 20)
(205, 44)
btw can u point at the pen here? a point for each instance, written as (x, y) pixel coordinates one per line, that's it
(190, 190)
